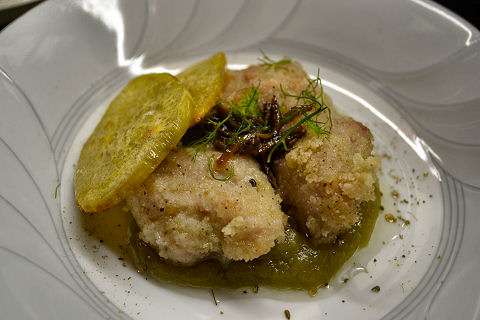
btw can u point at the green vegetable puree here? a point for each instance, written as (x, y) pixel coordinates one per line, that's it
(293, 263)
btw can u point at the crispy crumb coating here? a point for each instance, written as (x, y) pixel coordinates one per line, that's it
(323, 181)
(187, 216)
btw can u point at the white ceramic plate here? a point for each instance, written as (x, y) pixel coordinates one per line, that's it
(409, 70)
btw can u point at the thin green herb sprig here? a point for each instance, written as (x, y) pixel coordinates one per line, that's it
(246, 109)
(56, 190)
(308, 100)
(261, 131)
(207, 139)
(269, 63)
(307, 119)
(211, 162)
(248, 105)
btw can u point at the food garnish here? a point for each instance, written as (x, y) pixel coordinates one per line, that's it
(269, 63)
(211, 169)
(246, 127)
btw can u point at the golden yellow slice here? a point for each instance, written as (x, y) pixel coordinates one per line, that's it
(205, 82)
(140, 127)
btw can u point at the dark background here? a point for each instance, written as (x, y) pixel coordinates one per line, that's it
(468, 9)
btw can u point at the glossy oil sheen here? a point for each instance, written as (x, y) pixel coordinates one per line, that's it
(293, 263)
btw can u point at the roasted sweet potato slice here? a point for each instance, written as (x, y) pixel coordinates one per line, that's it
(205, 82)
(140, 127)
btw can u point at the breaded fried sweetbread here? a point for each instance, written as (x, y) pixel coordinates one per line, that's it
(140, 127)
(323, 181)
(187, 216)
(324, 178)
